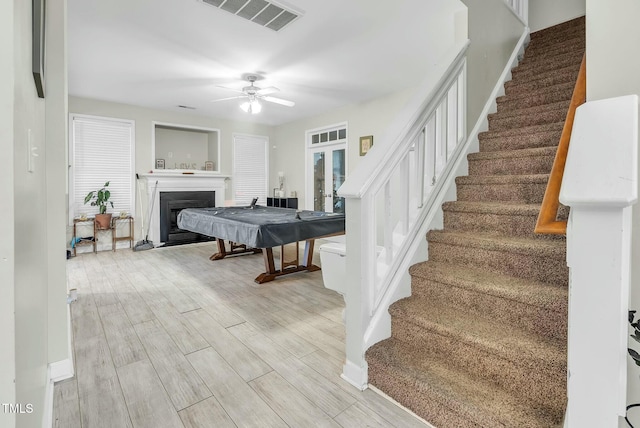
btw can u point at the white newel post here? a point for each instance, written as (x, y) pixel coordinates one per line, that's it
(360, 239)
(600, 185)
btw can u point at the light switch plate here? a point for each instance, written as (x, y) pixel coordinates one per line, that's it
(32, 152)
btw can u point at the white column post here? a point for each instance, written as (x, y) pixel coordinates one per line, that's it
(600, 185)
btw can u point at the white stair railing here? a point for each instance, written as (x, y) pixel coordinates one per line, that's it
(388, 198)
(520, 8)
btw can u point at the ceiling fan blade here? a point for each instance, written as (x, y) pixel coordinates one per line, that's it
(230, 89)
(279, 101)
(228, 98)
(269, 90)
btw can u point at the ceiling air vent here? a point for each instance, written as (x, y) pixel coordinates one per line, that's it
(264, 13)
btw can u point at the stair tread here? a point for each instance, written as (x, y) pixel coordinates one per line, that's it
(525, 111)
(516, 153)
(514, 244)
(533, 75)
(506, 208)
(550, 50)
(493, 336)
(576, 23)
(575, 36)
(524, 290)
(532, 86)
(525, 67)
(533, 68)
(476, 400)
(559, 91)
(502, 179)
(571, 42)
(521, 131)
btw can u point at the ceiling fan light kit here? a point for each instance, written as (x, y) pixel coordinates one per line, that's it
(253, 107)
(252, 94)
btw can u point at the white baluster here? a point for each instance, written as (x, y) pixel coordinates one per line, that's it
(388, 224)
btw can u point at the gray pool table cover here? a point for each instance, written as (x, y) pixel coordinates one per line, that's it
(260, 227)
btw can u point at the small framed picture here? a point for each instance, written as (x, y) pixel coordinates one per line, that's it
(365, 144)
(208, 166)
(159, 163)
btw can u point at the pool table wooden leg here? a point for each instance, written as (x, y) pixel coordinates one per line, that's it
(270, 266)
(222, 250)
(235, 250)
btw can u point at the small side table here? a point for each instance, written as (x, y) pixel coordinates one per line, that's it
(114, 230)
(90, 221)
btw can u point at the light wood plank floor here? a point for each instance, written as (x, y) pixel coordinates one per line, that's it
(167, 338)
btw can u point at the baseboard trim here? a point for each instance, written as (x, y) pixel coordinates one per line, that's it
(61, 370)
(57, 371)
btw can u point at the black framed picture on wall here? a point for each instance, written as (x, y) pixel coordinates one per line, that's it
(38, 45)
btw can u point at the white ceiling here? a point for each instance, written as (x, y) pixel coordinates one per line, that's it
(165, 53)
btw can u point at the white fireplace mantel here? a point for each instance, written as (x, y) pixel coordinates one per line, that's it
(178, 181)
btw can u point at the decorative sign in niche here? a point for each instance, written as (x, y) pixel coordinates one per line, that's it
(184, 148)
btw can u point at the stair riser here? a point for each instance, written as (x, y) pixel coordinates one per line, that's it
(535, 74)
(551, 53)
(526, 193)
(542, 139)
(515, 88)
(515, 102)
(534, 319)
(529, 379)
(539, 37)
(421, 400)
(508, 166)
(569, 39)
(561, 106)
(540, 267)
(514, 225)
(560, 30)
(534, 70)
(541, 117)
(577, 23)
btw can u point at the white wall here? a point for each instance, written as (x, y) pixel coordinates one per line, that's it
(547, 13)
(34, 283)
(288, 148)
(144, 129)
(181, 146)
(494, 31)
(613, 69)
(7, 274)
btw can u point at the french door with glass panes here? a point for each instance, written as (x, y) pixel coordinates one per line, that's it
(326, 168)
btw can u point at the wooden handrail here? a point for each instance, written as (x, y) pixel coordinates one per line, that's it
(547, 222)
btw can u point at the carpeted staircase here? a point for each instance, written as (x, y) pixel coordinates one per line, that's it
(482, 340)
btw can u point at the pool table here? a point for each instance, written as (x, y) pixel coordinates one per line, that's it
(259, 228)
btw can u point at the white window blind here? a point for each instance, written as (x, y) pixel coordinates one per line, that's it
(250, 160)
(101, 151)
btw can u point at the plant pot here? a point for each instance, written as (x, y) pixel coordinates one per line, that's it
(103, 221)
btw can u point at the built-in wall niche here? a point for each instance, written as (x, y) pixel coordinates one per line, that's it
(186, 148)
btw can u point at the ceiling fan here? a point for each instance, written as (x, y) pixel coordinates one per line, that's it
(253, 94)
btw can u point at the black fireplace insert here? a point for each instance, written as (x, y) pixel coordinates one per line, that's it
(171, 203)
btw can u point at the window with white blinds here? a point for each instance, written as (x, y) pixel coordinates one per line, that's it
(250, 169)
(101, 150)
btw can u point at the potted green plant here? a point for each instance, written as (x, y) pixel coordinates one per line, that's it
(100, 199)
